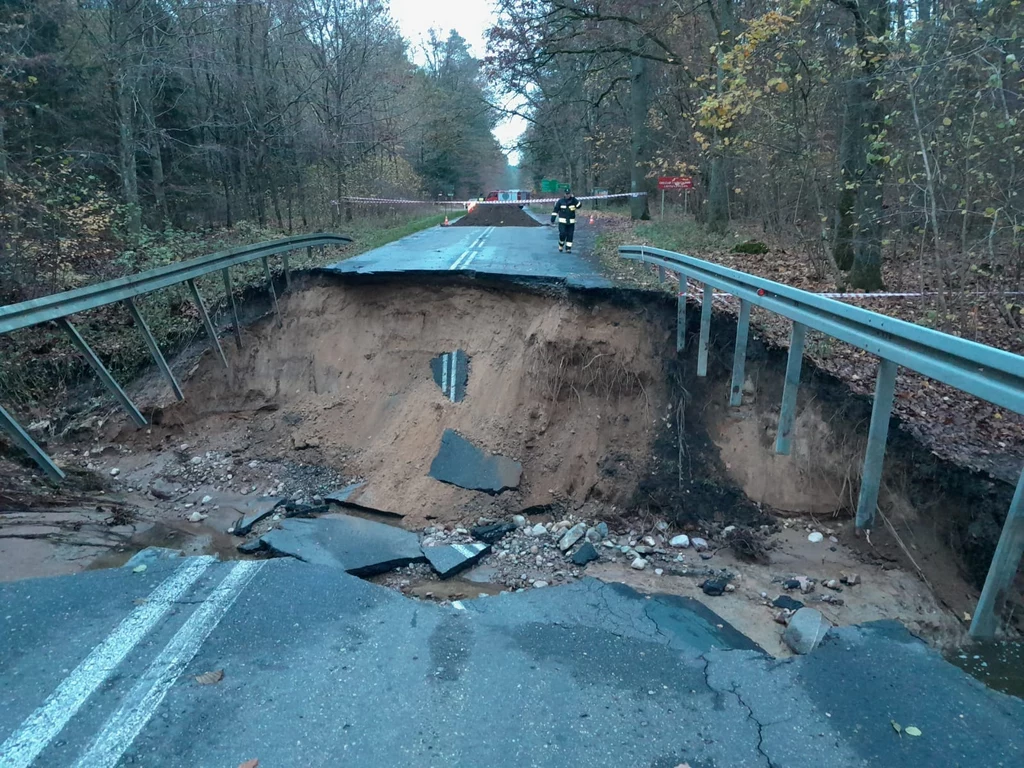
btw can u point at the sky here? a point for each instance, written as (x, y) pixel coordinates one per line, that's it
(471, 19)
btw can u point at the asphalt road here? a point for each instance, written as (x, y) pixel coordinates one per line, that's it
(324, 669)
(526, 253)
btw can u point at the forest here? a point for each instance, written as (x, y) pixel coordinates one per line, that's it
(127, 124)
(859, 131)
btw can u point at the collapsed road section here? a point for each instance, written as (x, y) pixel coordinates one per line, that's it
(578, 443)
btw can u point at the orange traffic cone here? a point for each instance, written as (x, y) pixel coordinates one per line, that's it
(445, 224)
(591, 218)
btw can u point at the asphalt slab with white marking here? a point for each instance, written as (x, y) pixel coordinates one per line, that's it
(324, 669)
(523, 253)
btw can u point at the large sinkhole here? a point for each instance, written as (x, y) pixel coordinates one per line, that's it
(357, 377)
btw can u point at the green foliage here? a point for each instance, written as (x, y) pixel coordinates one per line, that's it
(753, 247)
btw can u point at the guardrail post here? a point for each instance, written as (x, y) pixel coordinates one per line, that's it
(154, 349)
(22, 439)
(705, 330)
(286, 265)
(661, 274)
(207, 323)
(681, 314)
(101, 371)
(1003, 569)
(787, 415)
(270, 287)
(739, 357)
(229, 290)
(878, 433)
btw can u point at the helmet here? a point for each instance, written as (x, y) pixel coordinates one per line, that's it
(568, 190)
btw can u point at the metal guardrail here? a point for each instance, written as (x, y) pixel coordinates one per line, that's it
(986, 372)
(59, 307)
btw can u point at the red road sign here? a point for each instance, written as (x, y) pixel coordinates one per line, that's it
(675, 182)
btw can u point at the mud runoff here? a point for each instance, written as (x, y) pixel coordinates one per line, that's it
(490, 215)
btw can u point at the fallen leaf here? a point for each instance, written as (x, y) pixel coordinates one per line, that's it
(210, 678)
(138, 569)
(912, 730)
(250, 763)
(896, 727)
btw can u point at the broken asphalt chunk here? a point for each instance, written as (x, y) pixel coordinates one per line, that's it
(451, 373)
(254, 510)
(459, 462)
(450, 559)
(360, 547)
(492, 534)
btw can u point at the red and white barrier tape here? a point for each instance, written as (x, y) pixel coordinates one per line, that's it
(696, 288)
(401, 201)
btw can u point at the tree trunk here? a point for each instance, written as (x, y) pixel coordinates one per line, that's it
(718, 189)
(638, 102)
(866, 273)
(863, 167)
(126, 161)
(850, 166)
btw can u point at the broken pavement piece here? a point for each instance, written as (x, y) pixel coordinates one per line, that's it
(361, 547)
(451, 374)
(787, 602)
(343, 495)
(448, 560)
(805, 631)
(585, 554)
(493, 533)
(254, 510)
(357, 496)
(250, 547)
(459, 462)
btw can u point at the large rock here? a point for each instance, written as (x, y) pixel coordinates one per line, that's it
(585, 554)
(806, 629)
(461, 463)
(162, 489)
(449, 560)
(361, 547)
(571, 536)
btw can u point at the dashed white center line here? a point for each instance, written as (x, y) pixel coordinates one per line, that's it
(139, 705)
(24, 745)
(472, 252)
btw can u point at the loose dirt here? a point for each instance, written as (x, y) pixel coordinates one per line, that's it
(490, 215)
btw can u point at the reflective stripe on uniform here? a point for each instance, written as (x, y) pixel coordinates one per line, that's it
(563, 220)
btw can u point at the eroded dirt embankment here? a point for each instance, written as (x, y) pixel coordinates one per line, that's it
(573, 391)
(585, 390)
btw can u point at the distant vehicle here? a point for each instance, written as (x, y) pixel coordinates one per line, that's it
(509, 196)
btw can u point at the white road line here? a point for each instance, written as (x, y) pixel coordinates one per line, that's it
(39, 728)
(455, 264)
(467, 262)
(452, 378)
(458, 606)
(124, 726)
(444, 373)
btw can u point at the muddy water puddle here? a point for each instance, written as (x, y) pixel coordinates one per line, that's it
(192, 541)
(999, 665)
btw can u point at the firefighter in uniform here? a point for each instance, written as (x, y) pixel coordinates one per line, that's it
(565, 213)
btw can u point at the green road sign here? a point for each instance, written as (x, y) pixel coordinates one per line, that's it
(549, 185)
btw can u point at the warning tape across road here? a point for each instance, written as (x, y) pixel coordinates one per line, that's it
(401, 201)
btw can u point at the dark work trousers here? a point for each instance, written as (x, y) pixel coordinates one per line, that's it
(565, 232)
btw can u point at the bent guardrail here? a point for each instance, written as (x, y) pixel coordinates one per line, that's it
(59, 307)
(986, 372)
